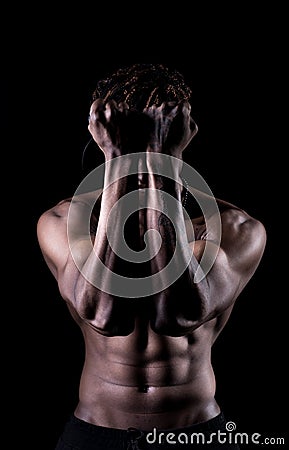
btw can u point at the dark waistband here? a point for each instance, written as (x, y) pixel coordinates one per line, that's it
(217, 422)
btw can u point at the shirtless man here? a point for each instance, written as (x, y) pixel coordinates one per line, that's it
(148, 359)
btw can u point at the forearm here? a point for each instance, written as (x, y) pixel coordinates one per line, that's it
(105, 256)
(165, 212)
(175, 255)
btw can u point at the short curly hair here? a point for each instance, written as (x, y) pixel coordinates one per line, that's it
(143, 85)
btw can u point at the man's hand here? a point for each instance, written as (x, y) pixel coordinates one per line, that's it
(164, 129)
(117, 130)
(173, 128)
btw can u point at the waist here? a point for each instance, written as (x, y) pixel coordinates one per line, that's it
(147, 424)
(145, 404)
(217, 422)
(78, 431)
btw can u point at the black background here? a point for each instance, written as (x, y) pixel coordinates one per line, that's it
(233, 61)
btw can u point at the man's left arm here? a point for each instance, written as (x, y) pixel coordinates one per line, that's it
(183, 302)
(241, 248)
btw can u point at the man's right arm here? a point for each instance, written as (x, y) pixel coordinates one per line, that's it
(75, 254)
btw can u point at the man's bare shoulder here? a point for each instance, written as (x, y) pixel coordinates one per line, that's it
(243, 238)
(239, 230)
(237, 220)
(89, 200)
(52, 223)
(60, 210)
(52, 235)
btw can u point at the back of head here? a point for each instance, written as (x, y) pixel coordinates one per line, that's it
(143, 85)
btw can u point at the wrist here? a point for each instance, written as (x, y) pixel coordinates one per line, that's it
(119, 167)
(164, 165)
(112, 153)
(165, 184)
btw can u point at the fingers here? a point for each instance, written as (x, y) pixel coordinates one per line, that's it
(123, 107)
(165, 109)
(106, 122)
(169, 109)
(103, 112)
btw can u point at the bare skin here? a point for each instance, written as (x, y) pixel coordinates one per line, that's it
(148, 360)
